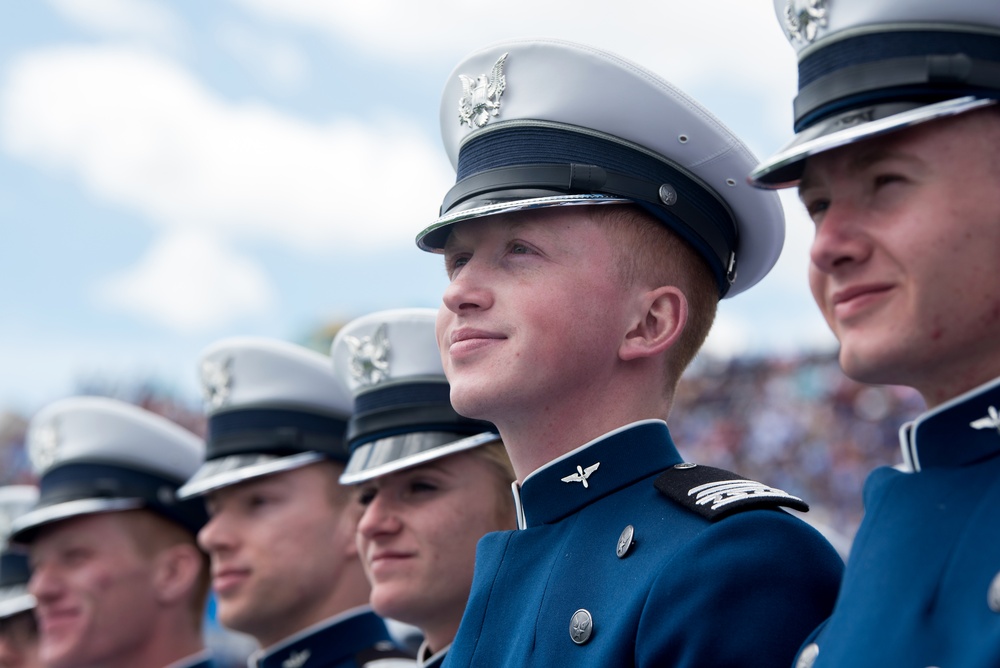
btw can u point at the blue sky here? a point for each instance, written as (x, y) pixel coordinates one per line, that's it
(172, 173)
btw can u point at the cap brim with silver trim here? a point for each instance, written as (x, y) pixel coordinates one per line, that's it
(15, 600)
(24, 526)
(784, 169)
(396, 453)
(234, 469)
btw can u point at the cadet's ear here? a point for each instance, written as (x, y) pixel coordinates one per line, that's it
(661, 317)
(177, 570)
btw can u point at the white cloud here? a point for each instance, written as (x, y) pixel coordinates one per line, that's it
(143, 20)
(280, 63)
(189, 282)
(731, 46)
(142, 133)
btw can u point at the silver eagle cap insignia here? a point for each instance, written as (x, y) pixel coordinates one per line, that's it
(43, 446)
(481, 96)
(804, 18)
(217, 381)
(369, 363)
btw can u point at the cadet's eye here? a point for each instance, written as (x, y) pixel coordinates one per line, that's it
(455, 262)
(817, 208)
(366, 496)
(422, 486)
(885, 179)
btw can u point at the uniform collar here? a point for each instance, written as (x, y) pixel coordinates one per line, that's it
(959, 432)
(324, 643)
(427, 660)
(594, 470)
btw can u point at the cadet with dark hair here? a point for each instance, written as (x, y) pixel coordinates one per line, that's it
(285, 567)
(118, 578)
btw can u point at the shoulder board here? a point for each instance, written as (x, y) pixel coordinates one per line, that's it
(715, 493)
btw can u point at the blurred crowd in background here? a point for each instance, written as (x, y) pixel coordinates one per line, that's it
(794, 423)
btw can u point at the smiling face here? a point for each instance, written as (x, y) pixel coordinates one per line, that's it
(904, 260)
(533, 317)
(279, 546)
(418, 538)
(96, 598)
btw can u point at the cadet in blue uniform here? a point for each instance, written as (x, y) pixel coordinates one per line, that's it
(432, 482)
(598, 216)
(18, 630)
(285, 568)
(896, 162)
(118, 579)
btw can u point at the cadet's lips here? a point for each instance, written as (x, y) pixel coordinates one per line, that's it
(52, 620)
(467, 340)
(227, 579)
(850, 300)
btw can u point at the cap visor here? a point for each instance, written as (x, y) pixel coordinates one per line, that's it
(433, 238)
(396, 453)
(234, 469)
(784, 169)
(65, 510)
(14, 600)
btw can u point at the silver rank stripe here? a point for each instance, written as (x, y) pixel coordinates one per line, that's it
(724, 492)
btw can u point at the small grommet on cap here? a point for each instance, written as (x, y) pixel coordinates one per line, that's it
(682, 139)
(684, 465)
(668, 195)
(808, 656)
(993, 594)
(625, 542)
(581, 626)
(730, 182)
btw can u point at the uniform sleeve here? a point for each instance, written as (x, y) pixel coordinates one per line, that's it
(746, 592)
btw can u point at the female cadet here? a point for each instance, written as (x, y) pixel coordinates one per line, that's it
(432, 482)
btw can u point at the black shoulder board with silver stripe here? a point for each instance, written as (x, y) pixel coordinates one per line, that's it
(714, 493)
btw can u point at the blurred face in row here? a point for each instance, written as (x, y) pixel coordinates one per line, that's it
(96, 594)
(279, 544)
(19, 641)
(418, 538)
(903, 264)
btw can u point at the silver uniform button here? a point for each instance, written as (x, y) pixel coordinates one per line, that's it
(581, 626)
(993, 594)
(808, 656)
(684, 465)
(625, 541)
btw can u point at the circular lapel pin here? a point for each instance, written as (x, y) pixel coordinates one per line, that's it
(993, 595)
(581, 626)
(625, 541)
(808, 656)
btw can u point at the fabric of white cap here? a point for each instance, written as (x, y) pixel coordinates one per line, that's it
(403, 415)
(102, 430)
(272, 406)
(96, 454)
(870, 67)
(244, 372)
(811, 24)
(582, 95)
(386, 347)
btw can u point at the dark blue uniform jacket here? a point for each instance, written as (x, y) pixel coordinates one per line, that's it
(743, 590)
